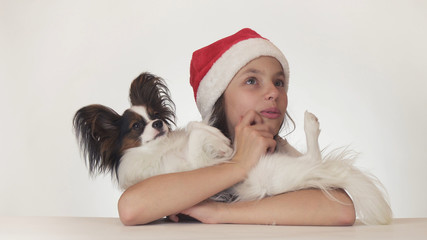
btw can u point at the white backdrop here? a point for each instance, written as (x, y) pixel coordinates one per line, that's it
(359, 65)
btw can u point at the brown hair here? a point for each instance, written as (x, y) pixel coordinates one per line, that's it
(218, 118)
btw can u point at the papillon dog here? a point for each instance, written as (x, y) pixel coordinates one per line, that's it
(140, 144)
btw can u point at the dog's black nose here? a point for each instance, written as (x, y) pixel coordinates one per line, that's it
(158, 124)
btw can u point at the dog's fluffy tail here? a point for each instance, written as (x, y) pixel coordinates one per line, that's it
(368, 194)
(336, 170)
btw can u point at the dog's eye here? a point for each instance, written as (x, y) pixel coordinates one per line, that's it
(136, 126)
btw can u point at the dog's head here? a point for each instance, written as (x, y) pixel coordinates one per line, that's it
(150, 99)
(152, 93)
(104, 135)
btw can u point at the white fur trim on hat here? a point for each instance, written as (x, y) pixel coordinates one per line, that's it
(223, 70)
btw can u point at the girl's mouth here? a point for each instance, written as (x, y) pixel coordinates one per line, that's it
(271, 113)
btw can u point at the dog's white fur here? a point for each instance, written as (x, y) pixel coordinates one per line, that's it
(200, 145)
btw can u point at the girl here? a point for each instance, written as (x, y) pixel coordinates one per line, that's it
(240, 85)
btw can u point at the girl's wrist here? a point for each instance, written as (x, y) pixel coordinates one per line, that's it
(221, 214)
(240, 167)
(232, 212)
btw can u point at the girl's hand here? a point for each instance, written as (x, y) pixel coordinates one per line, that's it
(252, 140)
(207, 211)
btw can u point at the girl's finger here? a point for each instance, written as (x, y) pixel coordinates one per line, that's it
(173, 218)
(251, 118)
(271, 146)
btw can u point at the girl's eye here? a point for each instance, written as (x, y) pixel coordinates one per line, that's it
(279, 83)
(251, 81)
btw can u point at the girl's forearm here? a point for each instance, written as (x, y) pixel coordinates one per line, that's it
(168, 194)
(304, 207)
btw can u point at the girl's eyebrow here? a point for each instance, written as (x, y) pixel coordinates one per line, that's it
(252, 70)
(256, 71)
(281, 73)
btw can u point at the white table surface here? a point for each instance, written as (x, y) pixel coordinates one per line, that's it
(111, 228)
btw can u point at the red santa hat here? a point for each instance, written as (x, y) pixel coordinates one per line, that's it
(213, 66)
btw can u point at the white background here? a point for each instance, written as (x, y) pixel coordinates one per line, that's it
(359, 65)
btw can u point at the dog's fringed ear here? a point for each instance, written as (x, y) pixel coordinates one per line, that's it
(151, 91)
(96, 128)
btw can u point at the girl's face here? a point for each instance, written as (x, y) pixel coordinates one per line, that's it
(259, 86)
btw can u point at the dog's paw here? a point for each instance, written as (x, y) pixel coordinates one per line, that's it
(218, 146)
(214, 144)
(311, 124)
(219, 150)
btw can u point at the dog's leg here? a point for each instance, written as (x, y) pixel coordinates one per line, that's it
(312, 131)
(207, 145)
(278, 173)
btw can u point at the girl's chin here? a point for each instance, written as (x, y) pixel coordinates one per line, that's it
(274, 125)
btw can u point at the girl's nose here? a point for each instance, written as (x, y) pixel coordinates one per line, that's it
(271, 92)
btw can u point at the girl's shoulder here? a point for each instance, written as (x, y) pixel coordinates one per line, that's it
(284, 147)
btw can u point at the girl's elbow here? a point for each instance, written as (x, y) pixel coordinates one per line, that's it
(347, 216)
(130, 214)
(127, 220)
(126, 213)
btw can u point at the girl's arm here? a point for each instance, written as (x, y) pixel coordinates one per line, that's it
(303, 207)
(170, 194)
